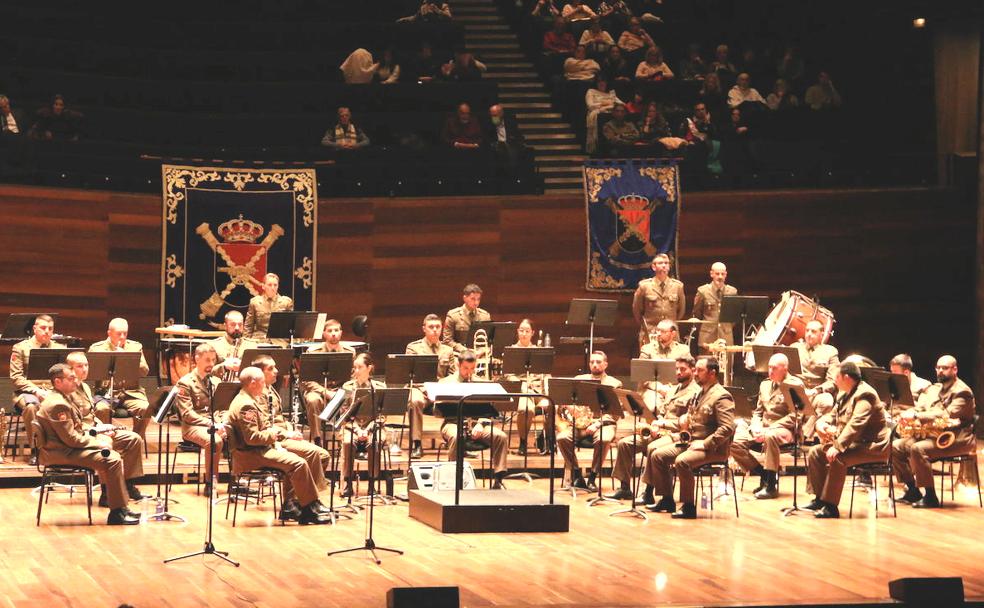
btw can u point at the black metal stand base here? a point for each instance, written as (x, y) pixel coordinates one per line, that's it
(371, 547)
(209, 549)
(165, 516)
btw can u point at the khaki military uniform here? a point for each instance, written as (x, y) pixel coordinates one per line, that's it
(258, 316)
(192, 400)
(316, 396)
(92, 412)
(28, 394)
(315, 456)
(127, 443)
(667, 414)
(911, 457)
(777, 425)
(707, 307)
(863, 436)
(255, 444)
(225, 348)
(819, 365)
(447, 364)
(134, 400)
(353, 431)
(655, 350)
(66, 443)
(458, 321)
(711, 423)
(654, 301)
(601, 439)
(492, 437)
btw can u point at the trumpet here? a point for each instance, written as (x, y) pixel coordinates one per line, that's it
(939, 429)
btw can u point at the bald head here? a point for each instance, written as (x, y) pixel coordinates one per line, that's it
(719, 273)
(234, 324)
(778, 367)
(117, 332)
(252, 380)
(946, 370)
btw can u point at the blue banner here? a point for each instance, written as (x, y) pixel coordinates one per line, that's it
(633, 207)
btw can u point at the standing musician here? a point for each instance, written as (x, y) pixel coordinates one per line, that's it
(854, 432)
(659, 433)
(316, 396)
(658, 298)
(459, 320)
(902, 364)
(27, 394)
(819, 364)
(528, 409)
(315, 456)
(480, 431)
(772, 425)
(949, 404)
(359, 434)
(262, 306)
(665, 346)
(134, 400)
(710, 420)
(229, 348)
(430, 344)
(255, 443)
(579, 423)
(193, 399)
(707, 307)
(96, 417)
(66, 443)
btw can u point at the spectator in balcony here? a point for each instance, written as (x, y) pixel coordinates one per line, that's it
(615, 68)
(358, 67)
(653, 126)
(507, 140)
(616, 13)
(751, 64)
(345, 135)
(463, 67)
(620, 133)
(735, 148)
(705, 142)
(425, 66)
(11, 121)
(596, 40)
(712, 95)
(743, 93)
(56, 122)
(599, 100)
(429, 11)
(634, 41)
(653, 69)
(636, 107)
(692, 67)
(722, 64)
(577, 10)
(790, 67)
(461, 130)
(388, 70)
(580, 67)
(559, 41)
(547, 9)
(780, 98)
(823, 95)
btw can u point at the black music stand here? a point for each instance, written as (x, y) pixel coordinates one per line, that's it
(573, 392)
(500, 333)
(524, 362)
(327, 369)
(746, 310)
(633, 404)
(892, 389)
(657, 371)
(600, 313)
(120, 369)
(41, 359)
(794, 395)
(410, 371)
(163, 400)
(219, 400)
(380, 402)
(608, 404)
(763, 352)
(332, 417)
(293, 325)
(20, 325)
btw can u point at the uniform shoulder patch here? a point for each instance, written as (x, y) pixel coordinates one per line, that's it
(249, 415)
(62, 417)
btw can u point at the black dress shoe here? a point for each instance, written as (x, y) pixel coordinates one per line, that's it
(665, 505)
(769, 491)
(621, 494)
(813, 505)
(647, 497)
(522, 449)
(122, 517)
(102, 500)
(580, 483)
(321, 508)
(417, 451)
(910, 497)
(347, 491)
(310, 516)
(827, 512)
(290, 511)
(134, 492)
(686, 511)
(498, 485)
(927, 502)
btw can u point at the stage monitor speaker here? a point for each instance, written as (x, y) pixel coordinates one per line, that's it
(927, 591)
(438, 475)
(422, 597)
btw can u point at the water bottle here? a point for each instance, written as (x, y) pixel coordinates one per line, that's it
(703, 499)
(546, 341)
(159, 508)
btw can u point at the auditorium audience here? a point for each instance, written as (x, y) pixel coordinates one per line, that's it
(56, 122)
(388, 70)
(425, 66)
(577, 10)
(596, 40)
(780, 98)
(547, 9)
(615, 67)
(345, 135)
(653, 68)
(615, 12)
(823, 95)
(580, 67)
(653, 126)
(461, 130)
(599, 100)
(11, 120)
(463, 67)
(507, 140)
(722, 64)
(619, 132)
(559, 41)
(358, 67)
(634, 41)
(692, 67)
(790, 67)
(430, 11)
(743, 93)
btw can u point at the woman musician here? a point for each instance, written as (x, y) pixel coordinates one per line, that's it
(359, 432)
(532, 383)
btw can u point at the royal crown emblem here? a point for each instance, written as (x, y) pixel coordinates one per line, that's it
(240, 231)
(632, 213)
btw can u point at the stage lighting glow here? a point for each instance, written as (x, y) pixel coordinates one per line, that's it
(919, 22)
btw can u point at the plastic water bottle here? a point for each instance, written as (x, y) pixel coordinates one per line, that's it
(546, 341)
(703, 499)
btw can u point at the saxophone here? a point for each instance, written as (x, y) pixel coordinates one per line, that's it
(939, 429)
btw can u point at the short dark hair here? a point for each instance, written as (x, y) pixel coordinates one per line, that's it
(467, 355)
(903, 360)
(58, 370)
(432, 317)
(366, 359)
(851, 370)
(687, 359)
(263, 362)
(711, 363)
(470, 289)
(44, 317)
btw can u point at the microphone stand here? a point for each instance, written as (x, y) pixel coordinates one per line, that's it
(164, 515)
(797, 447)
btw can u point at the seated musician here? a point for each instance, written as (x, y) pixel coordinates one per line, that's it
(772, 426)
(665, 346)
(95, 416)
(949, 404)
(430, 344)
(819, 367)
(262, 306)
(459, 320)
(710, 420)
(135, 399)
(255, 443)
(67, 443)
(480, 431)
(854, 432)
(657, 434)
(578, 423)
(528, 409)
(193, 401)
(27, 394)
(359, 432)
(316, 394)
(902, 364)
(229, 348)
(316, 457)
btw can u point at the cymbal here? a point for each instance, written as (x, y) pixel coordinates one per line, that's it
(583, 339)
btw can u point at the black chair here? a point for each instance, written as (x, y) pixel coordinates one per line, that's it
(947, 463)
(186, 447)
(873, 469)
(710, 469)
(10, 445)
(269, 482)
(53, 476)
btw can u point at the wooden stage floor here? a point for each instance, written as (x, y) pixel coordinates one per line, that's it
(603, 561)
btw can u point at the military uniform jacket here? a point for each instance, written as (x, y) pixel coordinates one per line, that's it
(655, 350)
(771, 410)
(860, 419)
(668, 412)
(956, 402)
(654, 301)
(20, 356)
(223, 346)
(820, 365)
(258, 315)
(310, 385)
(63, 427)
(712, 418)
(446, 361)
(707, 307)
(918, 386)
(82, 400)
(459, 320)
(351, 386)
(192, 399)
(130, 346)
(252, 430)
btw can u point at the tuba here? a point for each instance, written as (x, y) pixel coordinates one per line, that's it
(480, 344)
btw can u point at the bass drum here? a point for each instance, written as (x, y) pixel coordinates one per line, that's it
(786, 323)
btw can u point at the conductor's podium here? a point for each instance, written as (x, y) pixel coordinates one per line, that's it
(482, 510)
